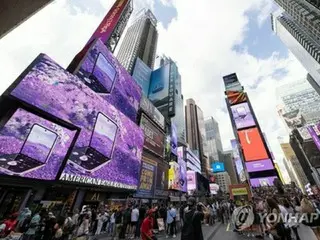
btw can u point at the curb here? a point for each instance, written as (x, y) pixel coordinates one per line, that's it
(216, 228)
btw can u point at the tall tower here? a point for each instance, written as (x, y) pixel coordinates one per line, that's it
(213, 141)
(253, 148)
(299, 30)
(140, 41)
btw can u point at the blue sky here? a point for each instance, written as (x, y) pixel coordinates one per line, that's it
(164, 13)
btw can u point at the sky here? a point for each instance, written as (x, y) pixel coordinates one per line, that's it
(208, 39)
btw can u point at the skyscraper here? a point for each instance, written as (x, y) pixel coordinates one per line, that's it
(140, 41)
(14, 12)
(299, 29)
(299, 104)
(213, 140)
(195, 129)
(230, 166)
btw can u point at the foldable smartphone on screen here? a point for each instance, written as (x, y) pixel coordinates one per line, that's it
(102, 77)
(34, 152)
(101, 146)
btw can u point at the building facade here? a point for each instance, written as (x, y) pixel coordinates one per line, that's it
(230, 166)
(140, 41)
(223, 180)
(301, 36)
(213, 141)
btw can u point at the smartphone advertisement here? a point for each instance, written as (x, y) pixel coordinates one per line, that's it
(147, 178)
(258, 166)
(108, 139)
(33, 147)
(237, 160)
(174, 139)
(183, 174)
(103, 74)
(242, 115)
(252, 144)
(262, 182)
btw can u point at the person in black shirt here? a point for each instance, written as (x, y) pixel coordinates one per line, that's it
(142, 213)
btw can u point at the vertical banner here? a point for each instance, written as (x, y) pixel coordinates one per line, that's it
(110, 21)
(172, 86)
(147, 178)
(314, 136)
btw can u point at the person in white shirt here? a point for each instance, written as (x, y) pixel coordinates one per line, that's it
(134, 221)
(112, 224)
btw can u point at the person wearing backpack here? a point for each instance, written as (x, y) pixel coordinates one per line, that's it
(193, 216)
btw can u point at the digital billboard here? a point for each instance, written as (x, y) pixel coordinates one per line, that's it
(314, 136)
(183, 174)
(154, 138)
(252, 144)
(242, 115)
(218, 167)
(232, 83)
(109, 22)
(261, 182)
(214, 188)
(159, 86)
(193, 162)
(103, 74)
(202, 183)
(162, 179)
(235, 97)
(305, 133)
(150, 110)
(191, 181)
(33, 147)
(238, 161)
(174, 139)
(108, 140)
(174, 176)
(142, 74)
(147, 178)
(260, 165)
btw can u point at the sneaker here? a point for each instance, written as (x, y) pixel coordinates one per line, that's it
(174, 236)
(167, 236)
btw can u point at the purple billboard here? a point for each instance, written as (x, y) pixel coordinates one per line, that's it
(237, 161)
(261, 165)
(314, 136)
(33, 147)
(102, 72)
(183, 174)
(262, 182)
(109, 148)
(242, 115)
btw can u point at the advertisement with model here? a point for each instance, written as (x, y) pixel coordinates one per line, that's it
(151, 111)
(33, 147)
(191, 181)
(154, 138)
(103, 74)
(162, 180)
(108, 139)
(174, 176)
(142, 74)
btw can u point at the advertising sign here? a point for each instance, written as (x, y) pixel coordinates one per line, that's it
(150, 110)
(232, 83)
(110, 21)
(218, 167)
(183, 174)
(103, 74)
(314, 136)
(180, 152)
(174, 176)
(172, 89)
(108, 140)
(305, 134)
(237, 161)
(235, 97)
(202, 183)
(147, 178)
(33, 147)
(192, 161)
(162, 180)
(260, 165)
(159, 86)
(261, 182)
(214, 188)
(252, 144)
(154, 138)
(174, 139)
(142, 74)
(239, 190)
(191, 181)
(242, 115)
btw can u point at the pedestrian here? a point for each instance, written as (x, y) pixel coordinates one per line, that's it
(147, 226)
(83, 230)
(58, 230)
(134, 221)
(30, 234)
(50, 222)
(192, 229)
(171, 221)
(275, 224)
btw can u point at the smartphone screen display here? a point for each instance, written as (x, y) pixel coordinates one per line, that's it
(241, 112)
(39, 143)
(104, 72)
(104, 135)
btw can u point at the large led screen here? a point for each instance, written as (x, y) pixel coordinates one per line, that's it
(242, 115)
(147, 178)
(183, 174)
(261, 165)
(174, 139)
(174, 176)
(154, 138)
(162, 179)
(109, 148)
(102, 72)
(252, 144)
(238, 161)
(217, 167)
(159, 85)
(191, 181)
(151, 111)
(262, 182)
(314, 136)
(33, 147)
(142, 74)
(235, 97)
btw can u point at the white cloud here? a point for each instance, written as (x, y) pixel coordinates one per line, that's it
(200, 39)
